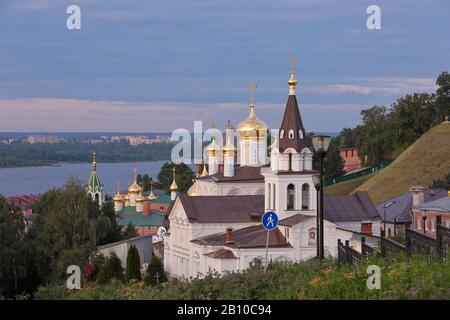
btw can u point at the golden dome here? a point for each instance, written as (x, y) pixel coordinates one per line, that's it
(140, 198)
(134, 188)
(229, 147)
(212, 147)
(151, 196)
(117, 197)
(173, 186)
(252, 126)
(127, 198)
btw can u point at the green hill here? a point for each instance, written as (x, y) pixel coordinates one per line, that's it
(425, 160)
(347, 187)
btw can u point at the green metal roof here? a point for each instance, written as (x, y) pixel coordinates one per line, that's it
(94, 182)
(138, 219)
(164, 199)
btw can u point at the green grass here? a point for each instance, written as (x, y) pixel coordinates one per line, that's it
(347, 187)
(406, 278)
(425, 160)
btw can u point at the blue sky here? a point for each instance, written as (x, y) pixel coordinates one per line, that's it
(144, 65)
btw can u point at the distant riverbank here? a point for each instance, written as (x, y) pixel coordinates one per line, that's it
(39, 179)
(19, 155)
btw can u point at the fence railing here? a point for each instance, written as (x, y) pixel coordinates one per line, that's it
(416, 244)
(391, 248)
(358, 174)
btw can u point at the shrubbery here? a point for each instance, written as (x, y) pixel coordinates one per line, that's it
(405, 278)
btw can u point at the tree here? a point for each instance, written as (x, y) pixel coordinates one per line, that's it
(145, 181)
(12, 248)
(442, 97)
(373, 141)
(412, 115)
(133, 270)
(333, 165)
(184, 177)
(443, 183)
(111, 269)
(155, 272)
(67, 227)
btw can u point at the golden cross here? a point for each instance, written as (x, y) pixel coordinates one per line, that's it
(252, 86)
(135, 174)
(292, 62)
(118, 185)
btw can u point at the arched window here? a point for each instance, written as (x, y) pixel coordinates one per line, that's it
(300, 133)
(305, 197)
(291, 134)
(290, 197)
(281, 134)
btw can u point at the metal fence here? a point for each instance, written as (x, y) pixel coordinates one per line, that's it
(416, 244)
(358, 174)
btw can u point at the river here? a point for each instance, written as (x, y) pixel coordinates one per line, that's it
(40, 179)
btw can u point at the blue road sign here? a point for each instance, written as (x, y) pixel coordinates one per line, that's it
(270, 220)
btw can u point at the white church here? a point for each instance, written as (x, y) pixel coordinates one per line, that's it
(217, 226)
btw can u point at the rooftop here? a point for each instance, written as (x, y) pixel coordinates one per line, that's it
(400, 210)
(250, 237)
(222, 209)
(138, 219)
(439, 205)
(241, 174)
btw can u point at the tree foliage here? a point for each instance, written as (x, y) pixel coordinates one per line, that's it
(155, 273)
(443, 183)
(111, 269)
(67, 227)
(184, 176)
(133, 269)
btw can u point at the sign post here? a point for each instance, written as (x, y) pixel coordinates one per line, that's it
(269, 221)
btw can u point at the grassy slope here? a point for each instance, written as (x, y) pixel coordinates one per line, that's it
(403, 279)
(347, 187)
(425, 160)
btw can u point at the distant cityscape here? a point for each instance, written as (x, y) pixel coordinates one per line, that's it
(133, 140)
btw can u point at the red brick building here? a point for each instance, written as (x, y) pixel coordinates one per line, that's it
(424, 215)
(351, 159)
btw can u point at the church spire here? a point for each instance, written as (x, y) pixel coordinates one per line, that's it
(173, 186)
(292, 133)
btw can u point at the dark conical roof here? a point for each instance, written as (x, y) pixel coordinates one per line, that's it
(292, 121)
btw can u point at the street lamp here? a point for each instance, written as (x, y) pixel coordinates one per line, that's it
(316, 181)
(321, 144)
(424, 217)
(385, 206)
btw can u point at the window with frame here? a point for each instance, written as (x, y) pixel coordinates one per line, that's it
(290, 197)
(291, 134)
(281, 133)
(305, 196)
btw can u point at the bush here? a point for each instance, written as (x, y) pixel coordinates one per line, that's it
(133, 270)
(111, 269)
(155, 272)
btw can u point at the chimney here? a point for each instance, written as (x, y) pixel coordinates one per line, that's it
(418, 195)
(229, 236)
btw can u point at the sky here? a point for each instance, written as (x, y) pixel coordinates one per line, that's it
(154, 66)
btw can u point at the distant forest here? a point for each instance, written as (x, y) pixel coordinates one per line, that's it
(22, 155)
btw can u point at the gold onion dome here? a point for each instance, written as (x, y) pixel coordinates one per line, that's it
(229, 147)
(127, 197)
(117, 197)
(252, 126)
(140, 198)
(151, 196)
(173, 186)
(212, 147)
